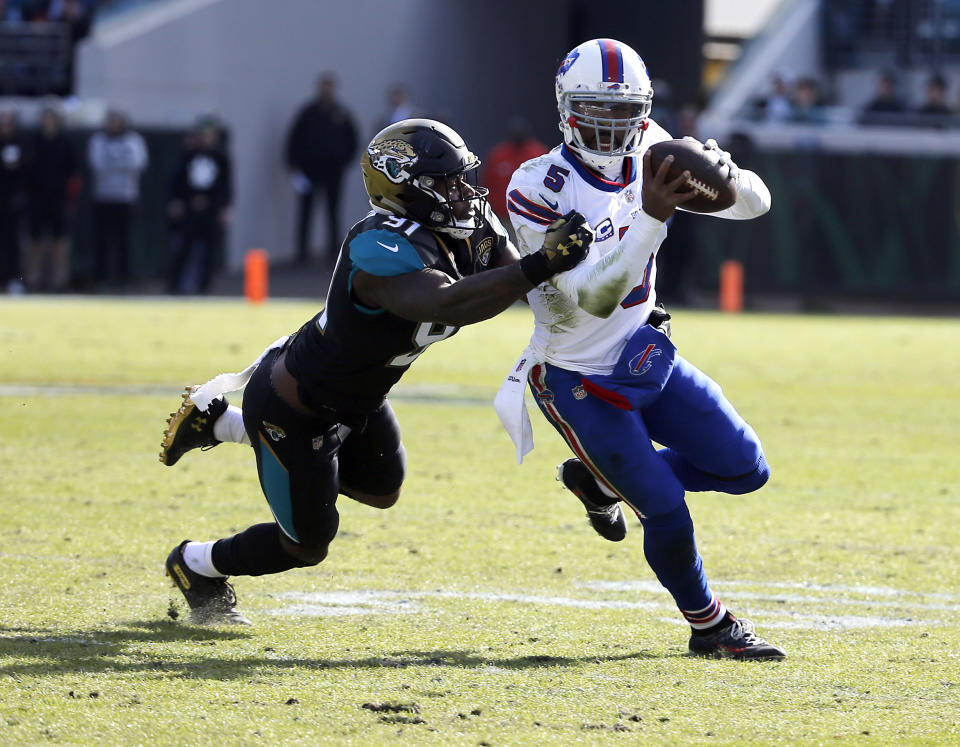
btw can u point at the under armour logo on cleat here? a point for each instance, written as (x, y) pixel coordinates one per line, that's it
(198, 424)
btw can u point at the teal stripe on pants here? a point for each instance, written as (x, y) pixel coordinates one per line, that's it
(276, 486)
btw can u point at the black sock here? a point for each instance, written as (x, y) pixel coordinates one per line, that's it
(256, 551)
(725, 621)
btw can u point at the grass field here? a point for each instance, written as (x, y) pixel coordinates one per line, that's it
(482, 609)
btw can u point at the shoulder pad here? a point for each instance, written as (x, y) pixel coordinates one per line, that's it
(384, 253)
(534, 190)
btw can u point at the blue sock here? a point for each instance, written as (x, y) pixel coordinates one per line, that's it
(671, 551)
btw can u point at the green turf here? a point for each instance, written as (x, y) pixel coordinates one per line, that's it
(482, 608)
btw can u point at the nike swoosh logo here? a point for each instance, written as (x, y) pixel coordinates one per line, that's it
(551, 205)
(394, 248)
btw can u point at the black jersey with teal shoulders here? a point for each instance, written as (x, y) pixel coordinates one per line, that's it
(349, 355)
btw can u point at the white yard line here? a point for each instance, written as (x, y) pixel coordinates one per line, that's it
(441, 394)
(376, 602)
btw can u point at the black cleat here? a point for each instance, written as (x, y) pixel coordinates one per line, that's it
(605, 516)
(212, 601)
(190, 428)
(736, 641)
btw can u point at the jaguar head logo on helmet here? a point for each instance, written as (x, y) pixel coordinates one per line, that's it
(392, 156)
(604, 97)
(421, 169)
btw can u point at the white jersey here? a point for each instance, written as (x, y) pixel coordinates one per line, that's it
(585, 316)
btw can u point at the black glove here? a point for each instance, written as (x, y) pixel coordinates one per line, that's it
(660, 319)
(565, 243)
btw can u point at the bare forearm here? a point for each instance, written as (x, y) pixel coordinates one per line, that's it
(478, 297)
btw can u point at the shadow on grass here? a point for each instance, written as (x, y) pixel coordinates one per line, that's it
(37, 651)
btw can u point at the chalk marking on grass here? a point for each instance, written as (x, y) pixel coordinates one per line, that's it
(374, 602)
(740, 591)
(883, 591)
(439, 394)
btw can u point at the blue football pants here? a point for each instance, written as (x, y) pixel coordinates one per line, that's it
(708, 445)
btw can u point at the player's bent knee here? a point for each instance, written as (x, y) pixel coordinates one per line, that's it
(307, 555)
(376, 501)
(753, 480)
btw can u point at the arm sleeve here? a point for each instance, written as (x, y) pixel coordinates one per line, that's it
(753, 198)
(598, 287)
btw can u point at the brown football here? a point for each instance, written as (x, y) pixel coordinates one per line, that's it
(717, 191)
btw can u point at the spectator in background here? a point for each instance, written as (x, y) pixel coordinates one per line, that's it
(935, 110)
(807, 104)
(11, 202)
(664, 107)
(687, 121)
(505, 158)
(778, 106)
(201, 193)
(53, 184)
(885, 106)
(399, 106)
(320, 145)
(116, 157)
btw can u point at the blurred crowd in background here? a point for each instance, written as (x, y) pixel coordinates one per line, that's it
(46, 175)
(802, 100)
(50, 174)
(38, 39)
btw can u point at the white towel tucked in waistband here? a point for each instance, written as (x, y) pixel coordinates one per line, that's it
(230, 382)
(512, 408)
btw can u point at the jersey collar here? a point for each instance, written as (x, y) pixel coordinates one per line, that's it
(591, 177)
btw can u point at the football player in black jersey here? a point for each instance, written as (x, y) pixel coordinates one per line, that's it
(429, 258)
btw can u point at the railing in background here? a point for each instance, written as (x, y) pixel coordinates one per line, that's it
(842, 227)
(907, 33)
(36, 59)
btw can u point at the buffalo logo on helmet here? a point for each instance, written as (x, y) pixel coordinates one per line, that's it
(568, 62)
(392, 157)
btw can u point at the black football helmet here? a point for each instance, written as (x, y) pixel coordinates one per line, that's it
(422, 169)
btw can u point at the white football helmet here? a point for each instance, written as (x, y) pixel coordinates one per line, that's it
(604, 96)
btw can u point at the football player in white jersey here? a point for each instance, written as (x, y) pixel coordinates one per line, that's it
(600, 365)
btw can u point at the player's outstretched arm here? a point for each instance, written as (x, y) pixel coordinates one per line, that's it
(433, 296)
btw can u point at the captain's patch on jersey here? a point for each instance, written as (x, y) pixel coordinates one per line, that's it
(604, 230)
